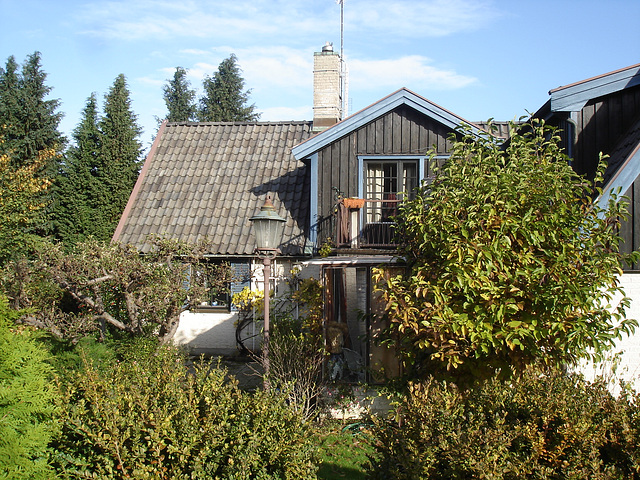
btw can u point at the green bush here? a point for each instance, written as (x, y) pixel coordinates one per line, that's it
(28, 401)
(149, 416)
(538, 426)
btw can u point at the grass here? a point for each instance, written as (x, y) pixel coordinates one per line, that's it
(343, 451)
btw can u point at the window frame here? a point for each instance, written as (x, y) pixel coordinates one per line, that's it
(241, 277)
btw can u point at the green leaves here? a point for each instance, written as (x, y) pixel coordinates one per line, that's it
(149, 416)
(509, 258)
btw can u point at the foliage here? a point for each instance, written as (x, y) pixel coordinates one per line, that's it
(224, 99)
(29, 127)
(28, 402)
(247, 300)
(120, 152)
(538, 426)
(148, 416)
(295, 366)
(78, 187)
(179, 98)
(296, 353)
(30, 121)
(296, 350)
(102, 166)
(21, 201)
(511, 261)
(111, 287)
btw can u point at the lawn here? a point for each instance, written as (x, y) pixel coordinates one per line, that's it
(343, 451)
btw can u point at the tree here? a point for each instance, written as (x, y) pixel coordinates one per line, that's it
(179, 98)
(30, 121)
(119, 162)
(105, 287)
(223, 99)
(510, 262)
(78, 191)
(9, 101)
(28, 401)
(21, 202)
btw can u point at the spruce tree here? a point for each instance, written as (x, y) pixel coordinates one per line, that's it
(179, 98)
(9, 103)
(78, 190)
(224, 99)
(120, 162)
(30, 120)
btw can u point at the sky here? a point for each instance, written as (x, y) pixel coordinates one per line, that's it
(479, 59)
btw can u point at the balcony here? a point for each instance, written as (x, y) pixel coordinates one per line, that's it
(366, 223)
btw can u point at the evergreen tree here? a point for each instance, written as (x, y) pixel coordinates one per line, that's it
(28, 401)
(78, 189)
(179, 98)
(120, 162)
(224, 99)
(30, 121)
(9, 103)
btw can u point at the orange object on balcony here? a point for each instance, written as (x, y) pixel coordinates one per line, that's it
(353, 203)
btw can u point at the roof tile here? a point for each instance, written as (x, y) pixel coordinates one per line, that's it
(207, 179)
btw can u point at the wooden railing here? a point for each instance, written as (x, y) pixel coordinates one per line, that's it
(366, 223)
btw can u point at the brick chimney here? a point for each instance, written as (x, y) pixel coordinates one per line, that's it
(327, 97)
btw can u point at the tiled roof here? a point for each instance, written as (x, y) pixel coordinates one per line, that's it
(206, 180)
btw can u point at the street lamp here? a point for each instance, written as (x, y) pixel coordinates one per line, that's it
(268, 226)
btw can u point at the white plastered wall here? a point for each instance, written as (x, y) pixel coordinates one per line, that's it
(623, 363)
(214, 332)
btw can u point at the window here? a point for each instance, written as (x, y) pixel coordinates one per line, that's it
(384, 182)
(219, 298)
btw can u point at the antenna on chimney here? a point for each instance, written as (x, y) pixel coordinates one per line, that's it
(344, 85)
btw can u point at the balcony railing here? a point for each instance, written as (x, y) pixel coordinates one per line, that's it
(366, 223)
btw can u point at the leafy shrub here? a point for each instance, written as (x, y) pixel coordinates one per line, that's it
(148, 416)
(28, 401)
(295, 366)
(538, 426)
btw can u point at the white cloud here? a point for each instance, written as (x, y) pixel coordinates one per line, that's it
(412, 71)
(242, 19)
(418, 19)
(250, 20)
(279, 114)
(263, 67)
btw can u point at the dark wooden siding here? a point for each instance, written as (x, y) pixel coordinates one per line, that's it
(599, 126)
(403, 131)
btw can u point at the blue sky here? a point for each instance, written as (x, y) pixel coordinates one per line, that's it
(476, 58)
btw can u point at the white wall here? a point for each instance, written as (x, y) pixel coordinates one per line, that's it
(624, 360)
(214, 333)
(208, 333)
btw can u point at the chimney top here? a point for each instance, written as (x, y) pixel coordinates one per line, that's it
(328, 47)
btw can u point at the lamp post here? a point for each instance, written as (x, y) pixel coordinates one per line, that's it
(268, 226)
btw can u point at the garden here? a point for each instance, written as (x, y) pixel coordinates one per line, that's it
(498, 303)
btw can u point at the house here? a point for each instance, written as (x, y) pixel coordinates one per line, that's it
(602, 114)
(337, 182)
(359, 170)
(207, 179)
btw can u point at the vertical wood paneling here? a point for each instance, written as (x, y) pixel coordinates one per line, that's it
(602, 141)
(378, 140)
(401, 131)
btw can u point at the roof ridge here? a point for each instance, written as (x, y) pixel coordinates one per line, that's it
(283, 122)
